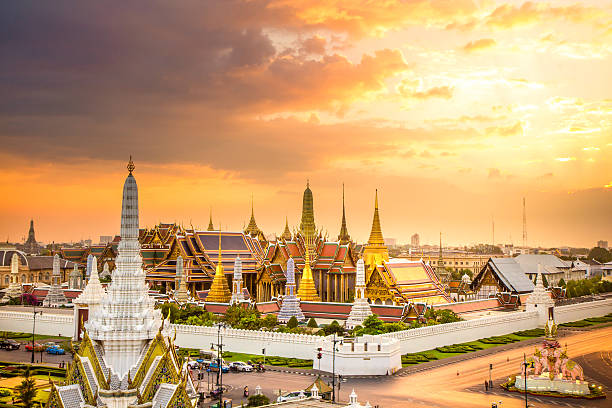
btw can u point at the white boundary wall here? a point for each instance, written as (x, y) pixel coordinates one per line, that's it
(304, 346)
(47, 323)
(427, 338)
(579, 311)
(249, 341)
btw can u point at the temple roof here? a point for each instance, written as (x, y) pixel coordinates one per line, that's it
(7, 254)
(413, 281)
(509, 273)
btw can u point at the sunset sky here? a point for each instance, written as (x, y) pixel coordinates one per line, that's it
(453, 109)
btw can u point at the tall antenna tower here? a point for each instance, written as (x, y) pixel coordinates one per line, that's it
(524, 225)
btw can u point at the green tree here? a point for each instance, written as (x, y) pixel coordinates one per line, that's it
(333, 327)
(270, 321)
(599, 254)
(561, 282)
(258, 400)
(26, 390)
(312, 323)
(292, 323)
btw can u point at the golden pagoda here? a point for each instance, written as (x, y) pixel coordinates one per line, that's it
(307, 290)
(286, 235)
(307, 226)
(252, 228)
(375, 252)
(219, 290)
(211, 227)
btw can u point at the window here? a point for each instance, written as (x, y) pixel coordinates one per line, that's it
(7, 279)
(23, 278)
(47, 276)
(39, 276)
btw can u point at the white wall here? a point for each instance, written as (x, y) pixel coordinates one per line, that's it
(427, 338)
(249, 341)
(47, 323)
(579, 311)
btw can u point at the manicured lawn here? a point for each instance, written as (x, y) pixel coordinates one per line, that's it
(462, 348)
(21, 337)
(591, 321)
(256, 358)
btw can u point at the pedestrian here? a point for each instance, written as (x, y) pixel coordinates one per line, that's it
(486, 385)
(457, 372)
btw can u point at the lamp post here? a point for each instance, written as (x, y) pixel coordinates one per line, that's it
(34, 329)
(334, 367)
(219, 359)
(525, 365)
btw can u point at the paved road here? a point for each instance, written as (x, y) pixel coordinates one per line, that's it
(23, 356)
(441, 387)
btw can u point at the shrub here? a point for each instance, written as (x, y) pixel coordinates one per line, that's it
(292, 323)
(5, 393)
(258, 400)
(530, 333)
(312, 323)
(498, 340)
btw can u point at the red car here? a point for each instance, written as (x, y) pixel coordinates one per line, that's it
(37, 347)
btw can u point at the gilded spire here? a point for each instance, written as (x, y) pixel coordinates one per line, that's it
(307, 226)
(307, 290)
(376, 237)
(252, 228)
(344, 236)
(131, 165)
(286, 233)
(219, 289)
(211, 227)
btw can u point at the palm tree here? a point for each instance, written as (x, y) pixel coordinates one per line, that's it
(26, 389)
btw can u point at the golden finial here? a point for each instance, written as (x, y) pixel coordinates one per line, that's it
(131, 165)
(219, 260)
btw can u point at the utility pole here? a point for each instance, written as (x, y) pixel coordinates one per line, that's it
(219, 360)
(33, 330)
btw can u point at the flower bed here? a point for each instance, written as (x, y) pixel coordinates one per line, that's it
(596, 391)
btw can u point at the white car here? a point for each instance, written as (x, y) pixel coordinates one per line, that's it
(293, 396)
(241, 366)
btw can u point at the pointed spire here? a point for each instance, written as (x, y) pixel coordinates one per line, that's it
(307, 225)
(376, 237)
(219, 289)
(286, 233)
(131, 165)
(344, 236)
(211, 227)
(252, 228)
(307, 290)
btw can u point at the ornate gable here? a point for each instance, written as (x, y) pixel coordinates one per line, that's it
(165, 372)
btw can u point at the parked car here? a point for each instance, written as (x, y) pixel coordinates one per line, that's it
(37, 347)
(240, 366)
(215, 367)
(292, 396)
(9, 344)
(50, 344)
(56, 350)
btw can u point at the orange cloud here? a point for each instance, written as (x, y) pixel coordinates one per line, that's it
(509, 16)
(408, 89)
(314, 45)
(479, 45)
(515, 129)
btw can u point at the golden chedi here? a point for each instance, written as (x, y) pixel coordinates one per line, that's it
(219, 290)
(307, 290)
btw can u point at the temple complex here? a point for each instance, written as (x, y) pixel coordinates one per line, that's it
(126, 358)
(55, 296)
(344, 237)
(361, 308)
(291, 303)
(307, 290)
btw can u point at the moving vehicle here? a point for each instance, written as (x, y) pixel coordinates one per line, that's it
(56, 350)
(240, 366)
(292, 396)
(9, 344)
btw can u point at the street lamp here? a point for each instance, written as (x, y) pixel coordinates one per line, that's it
(525, 365)
(219, 359)
(334, 341)
(34, 329)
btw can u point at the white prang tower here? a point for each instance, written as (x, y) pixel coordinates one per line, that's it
(361, 308)
(126, 319)
(237, 294)
(291, 303)
(181, 295)
(55, 296)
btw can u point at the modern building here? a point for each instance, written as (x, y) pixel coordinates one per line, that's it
(415, 241)
(452, 260)
(602, 244)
